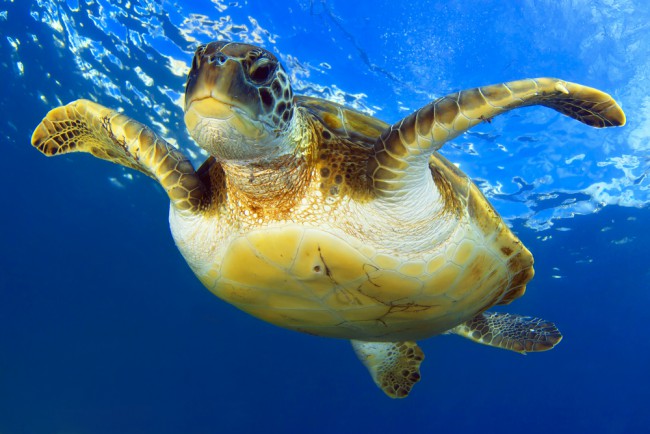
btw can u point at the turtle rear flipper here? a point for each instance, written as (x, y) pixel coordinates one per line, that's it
(85, 126)
(394, 366)
(521, 334)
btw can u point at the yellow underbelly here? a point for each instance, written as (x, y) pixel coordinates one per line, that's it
(316, 282)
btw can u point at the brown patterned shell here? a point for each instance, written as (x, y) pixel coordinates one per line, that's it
(458, 191)
(343, 121)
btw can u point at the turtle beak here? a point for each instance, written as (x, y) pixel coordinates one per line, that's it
(218, 84)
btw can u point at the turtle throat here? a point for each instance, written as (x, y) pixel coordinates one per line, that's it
(274, 182)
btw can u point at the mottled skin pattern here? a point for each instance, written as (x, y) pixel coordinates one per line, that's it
(394, 367)
(511, 332)
(427, 129)
(321, 219)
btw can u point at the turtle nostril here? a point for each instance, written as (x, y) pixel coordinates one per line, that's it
(217, 59)
(221, 58)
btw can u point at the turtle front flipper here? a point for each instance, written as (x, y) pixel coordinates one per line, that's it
(85, 126)
(394, 366)
(521, 334)
(401, 154)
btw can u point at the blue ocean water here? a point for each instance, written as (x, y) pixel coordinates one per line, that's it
(104, 329)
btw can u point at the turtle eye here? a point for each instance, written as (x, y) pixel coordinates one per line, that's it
(260, 71)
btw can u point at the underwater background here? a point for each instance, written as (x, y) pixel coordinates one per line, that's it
(104, 329)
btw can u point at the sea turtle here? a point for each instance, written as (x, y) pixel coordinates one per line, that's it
(321, 219)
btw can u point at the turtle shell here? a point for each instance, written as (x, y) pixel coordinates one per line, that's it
(344, 122)
(324, 269)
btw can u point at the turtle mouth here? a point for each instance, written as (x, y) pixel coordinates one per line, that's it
(213, 107)
(210, 107)
(223, 117)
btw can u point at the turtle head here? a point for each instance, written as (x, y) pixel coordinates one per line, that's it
(238, 102)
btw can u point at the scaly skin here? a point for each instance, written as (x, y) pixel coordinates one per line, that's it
(409, 142)
(85, 126)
